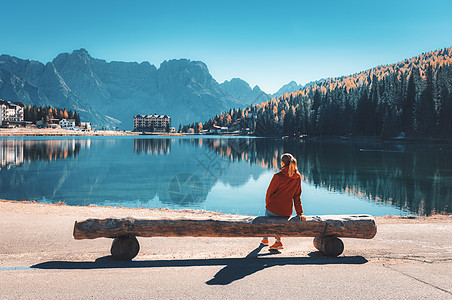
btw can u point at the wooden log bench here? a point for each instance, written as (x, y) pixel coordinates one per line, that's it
(326, 230)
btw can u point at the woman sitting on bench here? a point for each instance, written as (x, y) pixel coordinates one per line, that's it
(283, 193)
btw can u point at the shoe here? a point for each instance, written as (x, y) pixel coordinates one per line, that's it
(264, 242)
(276, 246)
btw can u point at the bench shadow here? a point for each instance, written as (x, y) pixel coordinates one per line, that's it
(234, 268)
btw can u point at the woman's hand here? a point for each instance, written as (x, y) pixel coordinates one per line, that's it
(302, 217)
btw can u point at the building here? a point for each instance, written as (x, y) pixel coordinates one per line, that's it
(218, 129)
(11, 113)
(152, 123)
(69, 123)
(85, 125)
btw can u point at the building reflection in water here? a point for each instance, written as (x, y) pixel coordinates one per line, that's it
(152, 146)
(409, 176)
(13, 153)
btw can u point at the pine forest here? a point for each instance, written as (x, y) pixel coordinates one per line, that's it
(412, 98)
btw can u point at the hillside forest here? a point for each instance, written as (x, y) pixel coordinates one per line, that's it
(46, 114)
(411, 98)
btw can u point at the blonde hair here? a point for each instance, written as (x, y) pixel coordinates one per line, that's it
(288, 160)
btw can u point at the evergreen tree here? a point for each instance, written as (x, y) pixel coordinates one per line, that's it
(289, 123)
(377, 106)
(426, 114)
(364, 115)
(77, 119)
(408, 105)
(445, 113)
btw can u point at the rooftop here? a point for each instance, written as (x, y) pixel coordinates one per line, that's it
(11, 104)
(152, 116)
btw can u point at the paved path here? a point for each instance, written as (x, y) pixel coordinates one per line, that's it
(39, 259)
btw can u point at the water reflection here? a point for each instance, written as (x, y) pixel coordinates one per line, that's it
(409, 176)
(13, 153)
(186, 189)
(152, 146)
(184, 172)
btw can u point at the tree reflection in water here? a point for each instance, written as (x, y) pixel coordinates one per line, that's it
(410, 176)
(14, 153)
(181, 172)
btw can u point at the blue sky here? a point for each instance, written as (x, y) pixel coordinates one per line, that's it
(267, 43)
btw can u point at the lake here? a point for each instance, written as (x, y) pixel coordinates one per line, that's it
(226, 174)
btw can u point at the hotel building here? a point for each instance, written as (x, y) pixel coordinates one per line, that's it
(154, 123)
(11, 112)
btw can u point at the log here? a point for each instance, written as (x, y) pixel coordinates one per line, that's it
(329, 245)
(125, 247)
(358, 226)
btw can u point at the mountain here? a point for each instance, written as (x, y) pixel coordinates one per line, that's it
(410, 98)
(111, 93)
(287, 88)
(292, 87)
(15, 88)
(242, 91)
(34, 83)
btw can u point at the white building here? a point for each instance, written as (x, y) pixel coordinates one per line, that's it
(69, 123)
(11, 112)
(218, 129)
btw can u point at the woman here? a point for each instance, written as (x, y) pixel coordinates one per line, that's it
(283, 193)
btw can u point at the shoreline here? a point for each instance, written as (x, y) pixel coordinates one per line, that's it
(27, 207)
(50, 132)
(17, 132)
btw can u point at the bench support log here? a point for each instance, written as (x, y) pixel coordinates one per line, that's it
(329, 245)
(125, 247)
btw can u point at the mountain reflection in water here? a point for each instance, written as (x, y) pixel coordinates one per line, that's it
(184, 172)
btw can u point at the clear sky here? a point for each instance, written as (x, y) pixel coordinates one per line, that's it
(267, 43)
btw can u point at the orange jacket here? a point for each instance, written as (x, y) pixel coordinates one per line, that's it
(282, 192)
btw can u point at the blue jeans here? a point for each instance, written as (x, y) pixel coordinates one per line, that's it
(270, 214)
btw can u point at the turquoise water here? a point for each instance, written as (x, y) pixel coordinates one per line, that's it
(226, 174)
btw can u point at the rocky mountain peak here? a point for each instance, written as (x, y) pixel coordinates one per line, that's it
(182, 72)
(287, 88)
(241, 90)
